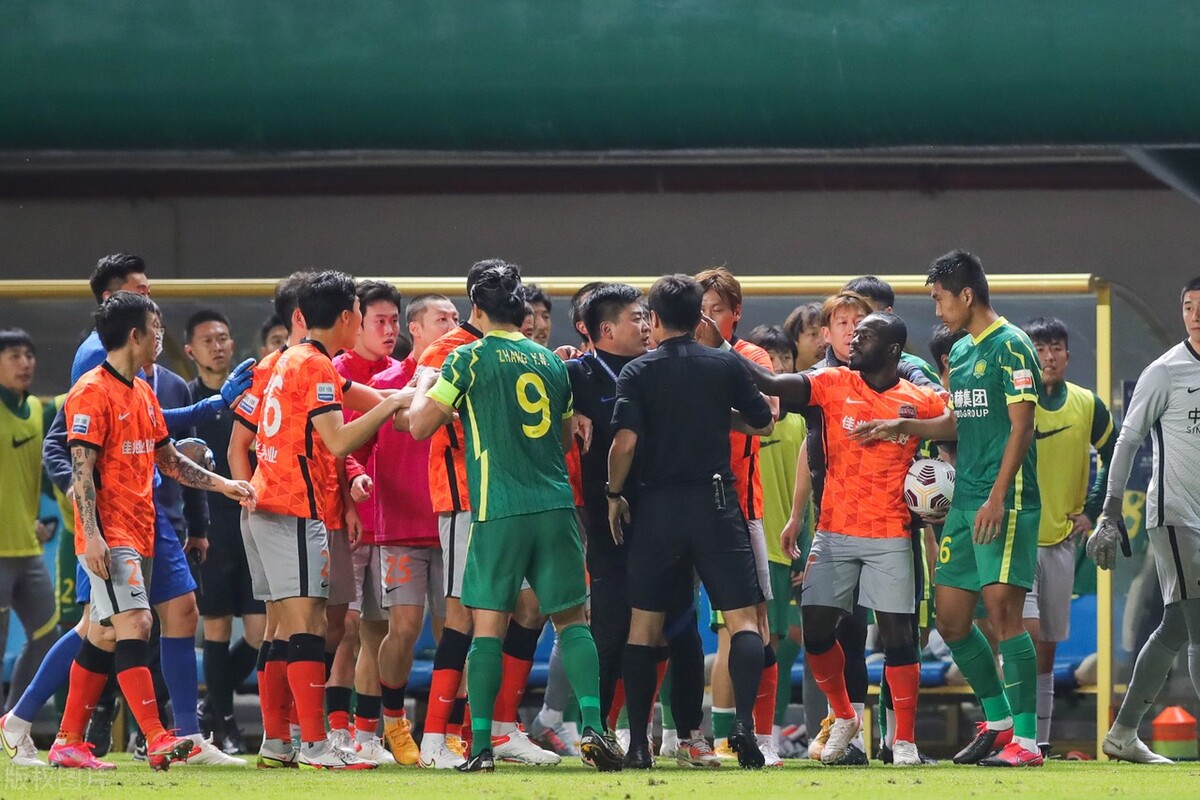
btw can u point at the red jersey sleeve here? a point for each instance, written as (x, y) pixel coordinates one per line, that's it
(824, 385)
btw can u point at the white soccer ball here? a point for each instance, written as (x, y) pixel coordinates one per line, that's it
(929, 487)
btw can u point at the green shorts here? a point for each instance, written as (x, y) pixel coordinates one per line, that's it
(69, 610)
(1010, 558)
(778, 616)
(544, 548)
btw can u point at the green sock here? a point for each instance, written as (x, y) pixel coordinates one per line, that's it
(1020, 683)
(786, 655)
(722, 722)
(571, 712)
(483, 684)
(582, 666)
(974, 658)
(623, 718)
(664, 697)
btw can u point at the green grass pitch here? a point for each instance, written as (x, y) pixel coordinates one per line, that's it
(1058, 780)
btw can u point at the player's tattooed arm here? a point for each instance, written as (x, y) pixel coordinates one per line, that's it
(83, 464)
(175, 465)
(83, 482)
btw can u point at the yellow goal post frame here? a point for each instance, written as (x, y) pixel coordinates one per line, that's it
(752, 285)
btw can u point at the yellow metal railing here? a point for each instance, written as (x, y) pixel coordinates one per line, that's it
(761, 285)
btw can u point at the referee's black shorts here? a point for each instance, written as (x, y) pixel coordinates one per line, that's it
(679, 529)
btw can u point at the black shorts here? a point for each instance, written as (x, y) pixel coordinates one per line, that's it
(680, 529)
(223, 581)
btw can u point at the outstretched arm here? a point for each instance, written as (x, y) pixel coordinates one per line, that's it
(178, 466)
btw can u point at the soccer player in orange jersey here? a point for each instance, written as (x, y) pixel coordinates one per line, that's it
(116, 436)
(300, 435)
(722, 303)
(862, 537)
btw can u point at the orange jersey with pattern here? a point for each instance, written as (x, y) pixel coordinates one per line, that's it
(123, 423)
(743, 449)
(297, 473)
(864, 484)
(447, 456)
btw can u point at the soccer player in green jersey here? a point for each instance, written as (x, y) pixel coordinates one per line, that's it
(989, 542)
(514, 398)
(1071, 421)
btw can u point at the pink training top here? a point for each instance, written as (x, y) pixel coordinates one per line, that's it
(404, 512)
(354, 367)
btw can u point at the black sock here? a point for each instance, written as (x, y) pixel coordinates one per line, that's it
(745, 671)
(217, 679)
(852, 636)
(393, 699)
(337, 698)
(458, 712)
(329, 664)
(687, 681)
(242, 659)
(639, 667)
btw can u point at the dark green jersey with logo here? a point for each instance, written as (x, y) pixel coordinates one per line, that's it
(988, 373)
(512, 395)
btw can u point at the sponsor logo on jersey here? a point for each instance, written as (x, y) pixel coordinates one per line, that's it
(248, 404)
(325, 393)
(1022, 378)
(81, 423)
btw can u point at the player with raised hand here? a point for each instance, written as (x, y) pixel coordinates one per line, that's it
(862, 537)
(117, 437)
(989, 542)
(1165, 407)
(301, 434)
(515, 400)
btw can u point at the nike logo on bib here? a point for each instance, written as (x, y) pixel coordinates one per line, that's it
(1048, 434)
(18, 442)
(1196, 389)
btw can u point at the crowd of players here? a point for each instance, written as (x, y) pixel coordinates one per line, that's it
(331, 496)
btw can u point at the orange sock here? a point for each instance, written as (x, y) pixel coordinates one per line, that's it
(905, 683)
(306, 677)
(764, 703)
(274, 696)
(514, 677)
(138, 687)
(443, 690)
(829, 668)
(89, 673)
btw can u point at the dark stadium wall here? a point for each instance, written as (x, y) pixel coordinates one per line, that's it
(1148, 240)
(595, 75)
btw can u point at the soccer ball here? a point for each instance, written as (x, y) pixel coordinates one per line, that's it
(929, 487)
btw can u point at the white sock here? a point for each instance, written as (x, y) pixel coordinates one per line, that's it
(1045, 705)
(198, 738)
(1026, 743)
(857, 741)
(1000, 724)
(503, 728)
(777, 735)
(549, 717)
(363, 736)
(314, 748)
(1122, 733)
(17, 725)
(889, 737)
(433, 741)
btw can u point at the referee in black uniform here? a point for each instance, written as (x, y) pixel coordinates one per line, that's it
(618, 331)
(675, 405)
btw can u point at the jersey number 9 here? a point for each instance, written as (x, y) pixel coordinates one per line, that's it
(537, 405)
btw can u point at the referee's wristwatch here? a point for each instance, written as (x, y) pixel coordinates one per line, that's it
(610, 494)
